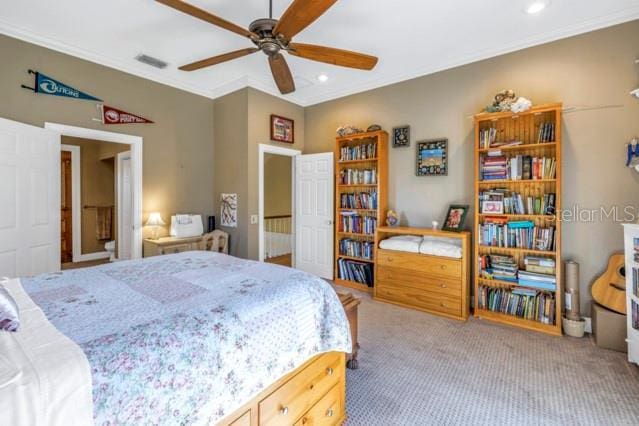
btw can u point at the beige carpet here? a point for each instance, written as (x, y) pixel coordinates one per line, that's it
(419, 369)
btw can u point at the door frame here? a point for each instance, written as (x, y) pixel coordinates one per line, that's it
(135, 143)
(119, 158)
(277, 150)
(76, 206)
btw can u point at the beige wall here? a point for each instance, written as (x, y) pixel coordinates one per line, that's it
(278, 184)
(590, 70)
(230, 165)
(97, 182)
(242, 123)
(178, 148)
(260, 108)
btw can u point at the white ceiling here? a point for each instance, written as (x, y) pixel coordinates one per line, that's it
(411, 37)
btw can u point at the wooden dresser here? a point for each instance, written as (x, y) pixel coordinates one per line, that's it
(439, 285)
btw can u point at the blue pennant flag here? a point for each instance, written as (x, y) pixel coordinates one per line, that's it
(48, 86)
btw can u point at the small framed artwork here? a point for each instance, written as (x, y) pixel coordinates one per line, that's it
(282, 129)
(401, 136)
(455, 217)
(432, 157)
(492, 207)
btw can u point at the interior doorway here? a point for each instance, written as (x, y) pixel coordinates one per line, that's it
(93, 224)
(276, 205)
(101, 207)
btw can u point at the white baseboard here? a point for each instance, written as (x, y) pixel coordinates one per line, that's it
(91, 256)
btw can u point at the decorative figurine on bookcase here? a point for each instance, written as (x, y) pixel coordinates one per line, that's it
(507, 100)
(392, 218)
(348, 130)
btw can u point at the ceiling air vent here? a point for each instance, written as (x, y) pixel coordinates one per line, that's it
(149, 60)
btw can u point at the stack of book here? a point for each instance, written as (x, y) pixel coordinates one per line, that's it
(522, 303)
(538, 281)
(358, 176)
(360, 152)
(487, 137)
(359, 200)
(498, 267)
(540, 265)
(354, 248)
(546, 133)
(526, 167)
(494, 167)
(511, 202)
(499, 232)
(353, 270)
(356, 224)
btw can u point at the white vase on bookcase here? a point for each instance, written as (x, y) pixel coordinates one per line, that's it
(631, 250)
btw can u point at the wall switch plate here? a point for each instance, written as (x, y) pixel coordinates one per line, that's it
(253, 219)
(588, 326)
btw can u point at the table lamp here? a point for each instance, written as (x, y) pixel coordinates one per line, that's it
(155, 220)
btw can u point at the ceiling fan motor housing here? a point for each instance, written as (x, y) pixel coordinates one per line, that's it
(266, 41)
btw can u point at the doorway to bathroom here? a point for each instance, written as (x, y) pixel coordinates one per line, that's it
(98, 197)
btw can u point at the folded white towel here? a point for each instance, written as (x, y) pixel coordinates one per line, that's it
(409, 243)
(441, 246)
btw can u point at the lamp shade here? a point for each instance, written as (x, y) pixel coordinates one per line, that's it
(155, 220)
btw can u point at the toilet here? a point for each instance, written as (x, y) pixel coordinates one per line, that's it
(110, 247)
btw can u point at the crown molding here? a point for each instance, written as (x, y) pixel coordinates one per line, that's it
(619, 17)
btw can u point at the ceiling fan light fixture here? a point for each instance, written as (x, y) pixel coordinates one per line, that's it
(536, 7)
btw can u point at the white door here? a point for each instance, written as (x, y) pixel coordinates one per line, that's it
(314, 214)
(29, 200)
(125, 206)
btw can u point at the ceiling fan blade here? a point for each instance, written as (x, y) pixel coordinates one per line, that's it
(281, 73)
(299, 15)
(205, 16)
(329, 55)
(218, 59)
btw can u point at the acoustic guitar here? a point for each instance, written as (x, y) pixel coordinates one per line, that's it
(609, 289)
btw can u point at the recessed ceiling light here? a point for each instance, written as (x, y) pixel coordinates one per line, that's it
(322, 78)
(536, 7)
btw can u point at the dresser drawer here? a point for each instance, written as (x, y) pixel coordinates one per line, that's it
(328, 411)
(418, 298)
(421, 262)
(401, 277)
(298, 395)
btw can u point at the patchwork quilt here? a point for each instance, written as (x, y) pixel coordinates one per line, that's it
(188, 338)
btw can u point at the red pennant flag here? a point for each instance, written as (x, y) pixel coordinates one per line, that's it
(112, 115)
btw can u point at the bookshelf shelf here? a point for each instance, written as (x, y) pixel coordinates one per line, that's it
(518, 250)
(523, 147)
(368, 160)
(379, 163)
(513, 181)
(539, 154)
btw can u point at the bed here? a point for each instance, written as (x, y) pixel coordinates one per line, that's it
(188, 338)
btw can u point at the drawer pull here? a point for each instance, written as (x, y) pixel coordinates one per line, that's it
(443, 286)
(329, 371)
(329, 412)
(284, 411)
(443, 266)
(443, 305)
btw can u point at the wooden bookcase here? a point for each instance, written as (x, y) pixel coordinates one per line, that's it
(379, 163)
(523, 127)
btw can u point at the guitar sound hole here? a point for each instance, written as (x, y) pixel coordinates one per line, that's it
(622, 271)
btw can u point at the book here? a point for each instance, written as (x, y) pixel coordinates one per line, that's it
(523, 303)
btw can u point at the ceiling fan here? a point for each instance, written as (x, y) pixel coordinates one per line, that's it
(273, 36)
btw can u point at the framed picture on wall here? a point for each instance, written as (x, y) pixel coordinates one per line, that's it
(432, 157)
(282, 129)
(401, 136)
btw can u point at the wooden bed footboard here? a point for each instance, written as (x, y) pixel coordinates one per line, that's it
(313, 394)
